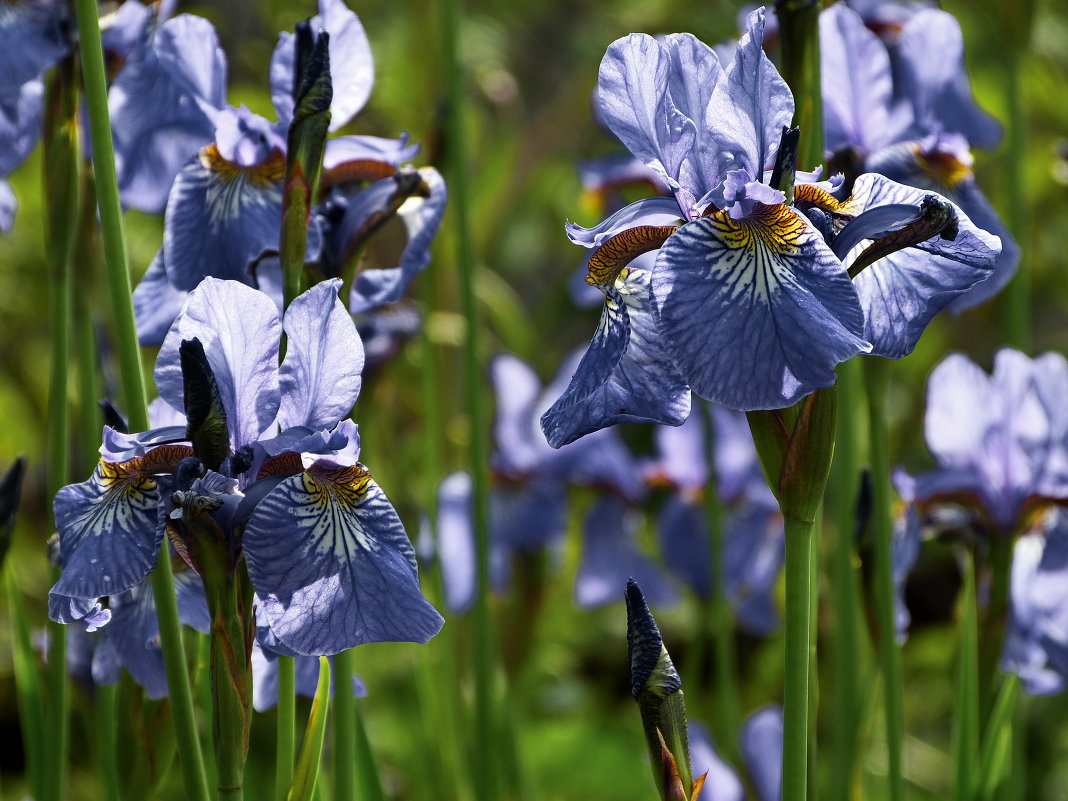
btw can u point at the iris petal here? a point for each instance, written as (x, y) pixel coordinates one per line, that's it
(755, 313)
(329, 558)
(761, 745)
(626, 375)
(320, 376)
(901, 293)
(20, 123)
(156, 303)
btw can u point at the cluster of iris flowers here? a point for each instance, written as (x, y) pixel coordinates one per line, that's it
(746, 281)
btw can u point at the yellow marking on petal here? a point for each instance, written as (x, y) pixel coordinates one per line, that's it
(284, 464)
(346, 485)
(945, 168)
(775, 228)
(817, 196)
(356, 170)
(618, 251)
(271, 170)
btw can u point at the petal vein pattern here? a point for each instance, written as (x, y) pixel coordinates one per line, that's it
(755, 312)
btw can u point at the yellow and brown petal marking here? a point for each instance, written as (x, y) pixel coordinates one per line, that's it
(618, 251)
(268, 172)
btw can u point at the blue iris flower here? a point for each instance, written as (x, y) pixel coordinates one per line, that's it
(760, 742)
(905, 110)
(218, 170)
(326, 552)
(746, 302)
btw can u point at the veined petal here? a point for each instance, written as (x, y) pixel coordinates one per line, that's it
(156, 303)
(693, 74)
(902, 292)
(240, 332)
(626, 375)
(162, 105)
(610, 555)
(651, 211)
(320, 377)
(85, 611)
(352, 69)
(856, 82)
(973, 202)
(109, 526)
(221, 218)
(756, 312)
(632, 91)
(421, 214)
(329, 557)
(750, 106)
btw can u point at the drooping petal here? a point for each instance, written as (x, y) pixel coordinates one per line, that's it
(32, 39)
(221, 218)
(343, 149)
(901, 293)
(722, 783)
(755, 313)
(246, 139)
(931, 50)
(974, 203)
(750, 106)
(240, 332)
(655, 211)
(109, 527)
(163, 103)
(421, 214)
(320, 377)
(684, 542)
(611, 555)
(753, 552)
(632, 91)
(352, 71)
(856, 83)
(329, 557)
(85, 611)
(156, 303)
(626, 375)
(20, 124)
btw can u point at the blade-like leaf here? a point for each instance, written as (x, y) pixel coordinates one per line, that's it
(304, 778)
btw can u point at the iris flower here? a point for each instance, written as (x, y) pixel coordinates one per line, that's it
(326, 553)
(223, 188)
(760, 743)
(748, 301)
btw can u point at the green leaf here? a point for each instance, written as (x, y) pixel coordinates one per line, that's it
(966, 717)
(311, 749)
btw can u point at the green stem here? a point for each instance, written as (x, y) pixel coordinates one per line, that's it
(800, 68)
(966, 718)
(287, 720)
(29, 696)
(107, 739)
(800, 538)
(846, 654)
(995, 758)
(107, 190)
(486, 763)
(344, 729)
(876, 375)
(1018, 292)
(370, 783)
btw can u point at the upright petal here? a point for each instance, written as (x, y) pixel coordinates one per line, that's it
(421, 214)
(750, 106)
(960, 408)
(240, 331)
(352, 70)
(856, 81)
(156, 303)
(722, 783)
(901, 293)
(626, 375)
(320, 377)
(162, 106)
(517, 388)
(755, 313)
(221, 218)
(329, 557)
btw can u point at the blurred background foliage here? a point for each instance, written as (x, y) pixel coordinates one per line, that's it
(530, 68)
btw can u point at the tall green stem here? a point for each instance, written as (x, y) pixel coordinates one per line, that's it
(876, 377)
(287, 718)
(485, 776)
(344, 729)
(800, 68)
(966, 716)
(133, 383)
(800, 538)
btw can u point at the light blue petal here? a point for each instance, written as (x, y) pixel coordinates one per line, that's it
(320, 377)
(85, 611)
(352, 69)
(683, 453)
(341, 149)
(753, 552)
(221, 218)
(240, 332)
(973, 202)
(750, 107)
(761, 747)
(626, 375)
(517, 389)
(329, 558)
(721, 783)
(156, 303)
(20, 123)
(162, 106)
(901, 293)
(32, 39)
(684, 542)
(856, 82)
(756, 313)
(421, 216)
(8, 206)
(648, 211)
